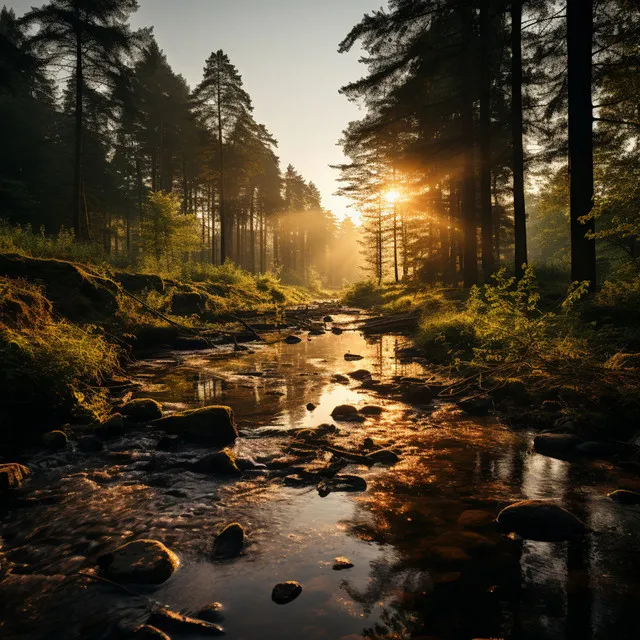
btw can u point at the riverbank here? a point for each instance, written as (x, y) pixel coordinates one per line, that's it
(546, 360)
(67, 328)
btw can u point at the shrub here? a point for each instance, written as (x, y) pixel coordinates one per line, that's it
(366, 294)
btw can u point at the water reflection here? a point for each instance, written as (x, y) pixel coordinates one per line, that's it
(427, 557)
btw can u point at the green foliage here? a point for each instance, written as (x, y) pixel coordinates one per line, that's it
(366, 294)
(48, 364)
(166, 233)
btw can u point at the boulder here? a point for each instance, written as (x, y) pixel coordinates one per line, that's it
(212, 613)
(286, 592)
(139, 562)
(12, 475)
(229, 542)
(174, 622)
(346, 412)
(327, 319)
(55, 440)
(623, 496)
(141, 410)
(478, 406)
(311, 407)
(219, 463)
(556, 444)
(337, 331)
(140, 282)
(541, 520)
(212, 425)
(292, 340)
(352, 357)
(341, 563)
(384, 456)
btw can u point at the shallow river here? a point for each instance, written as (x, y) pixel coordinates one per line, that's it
(428, 560)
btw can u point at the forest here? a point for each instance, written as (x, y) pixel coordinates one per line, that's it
(237, 401)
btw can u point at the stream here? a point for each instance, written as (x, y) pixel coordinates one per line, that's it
(427, 557)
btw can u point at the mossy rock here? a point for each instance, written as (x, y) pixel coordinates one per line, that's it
(188, 303)
(139, 562)
(213, 425)
(140, 282)
(141, 410)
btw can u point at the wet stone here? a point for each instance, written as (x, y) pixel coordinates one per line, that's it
(229, 542)
(212, 613)
(360, 375)
(292, 340)
(212, 425)
(342, 483)
(311, 407)
(346, 412)
(352, 357)
(340, 379)
(384, 456)
(477, 406)
(337, 331)
(169, 443)
(341, 563)
(476, 519)
(90, 444)
(55, 440)
(139, 562)
(541, 520)
(556, 444)
(371, 410)
(220, 462)
(286, 592)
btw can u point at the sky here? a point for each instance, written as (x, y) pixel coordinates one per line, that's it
(287, 54)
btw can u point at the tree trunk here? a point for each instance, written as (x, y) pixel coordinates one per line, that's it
(78, 226)
(469, 217)
(488, 263)
(517, 133)
(580, 64)
(223, 220)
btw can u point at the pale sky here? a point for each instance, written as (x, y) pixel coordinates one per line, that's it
(286, 51)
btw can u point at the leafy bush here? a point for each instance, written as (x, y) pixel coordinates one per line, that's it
(366, 294)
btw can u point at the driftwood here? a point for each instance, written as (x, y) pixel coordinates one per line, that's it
(398, 322)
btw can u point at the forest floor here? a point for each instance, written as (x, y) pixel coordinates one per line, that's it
(67, 328)
(567, 363)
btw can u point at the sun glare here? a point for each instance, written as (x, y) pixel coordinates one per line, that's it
(392, 196)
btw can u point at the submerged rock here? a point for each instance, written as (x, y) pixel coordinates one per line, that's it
(346, 412)
(55, 440)
(341, 563)
(213, 425)
(558, 444)
(340, 379)
(220, 462)
(12, 475)
(169, 443)
(229, 541)
(141, 410)
(139, 562)
(292, 340)
(286, 592)
(384, 456)
(173, 622)
(595, 449)
(338, 483)
(371, 410)
(623, 496)
(337, 331)
(360, 375)
(212, 613)
(352, 357)
(541, 520)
